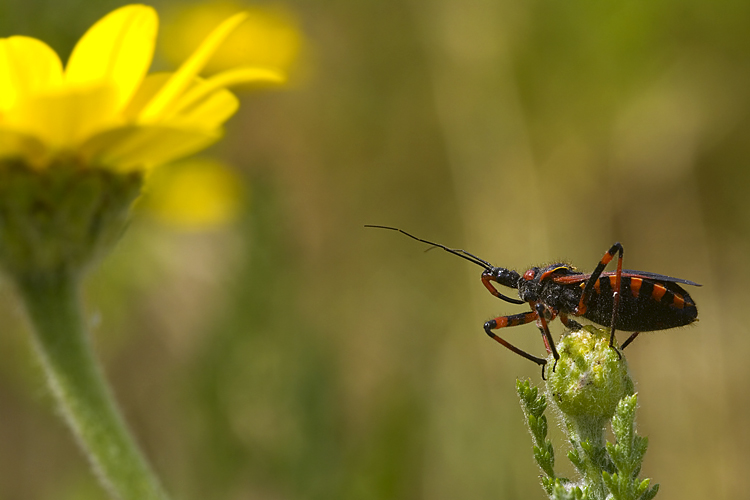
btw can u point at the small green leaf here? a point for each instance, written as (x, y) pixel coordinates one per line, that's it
(576, 459)
(648, 495)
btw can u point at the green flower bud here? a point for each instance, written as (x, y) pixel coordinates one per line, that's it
(590, 378)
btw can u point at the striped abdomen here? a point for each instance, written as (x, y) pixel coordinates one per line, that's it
(645, 304)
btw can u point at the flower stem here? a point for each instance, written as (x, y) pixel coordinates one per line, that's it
(62, 343)
(587, 438)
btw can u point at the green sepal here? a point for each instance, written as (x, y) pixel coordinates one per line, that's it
(62, 218)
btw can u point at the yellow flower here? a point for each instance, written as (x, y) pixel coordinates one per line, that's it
(76, 143)
(102, 109)
(75, 147)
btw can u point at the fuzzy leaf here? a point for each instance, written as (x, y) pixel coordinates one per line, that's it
(651, 493)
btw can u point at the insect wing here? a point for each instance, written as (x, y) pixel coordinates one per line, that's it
(654, 276)
(629, 273)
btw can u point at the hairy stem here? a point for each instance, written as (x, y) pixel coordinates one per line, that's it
(587, 438)
(62, 343)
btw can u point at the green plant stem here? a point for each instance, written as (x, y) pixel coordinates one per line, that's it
(62, 342)
(587, 437)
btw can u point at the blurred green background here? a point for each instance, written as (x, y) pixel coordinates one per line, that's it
(293, 354)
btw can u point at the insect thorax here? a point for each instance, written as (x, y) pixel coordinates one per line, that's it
(562, 298)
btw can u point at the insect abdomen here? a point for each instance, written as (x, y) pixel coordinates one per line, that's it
(645, 304)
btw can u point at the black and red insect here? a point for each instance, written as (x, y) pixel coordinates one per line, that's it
(634, 301)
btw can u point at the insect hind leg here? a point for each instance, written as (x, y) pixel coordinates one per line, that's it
(630, 339)
(583, 303)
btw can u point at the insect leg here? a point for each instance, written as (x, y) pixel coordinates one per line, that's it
(616, 299)
(514, 320)
(583, 303)
(548, 342)
(569, 323)
(630, 339)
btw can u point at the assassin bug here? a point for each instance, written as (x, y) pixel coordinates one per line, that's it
(635, 301)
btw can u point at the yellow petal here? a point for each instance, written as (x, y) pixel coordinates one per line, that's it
(117, 50)
(208, 113)
(27, 66)
(270, 37)
(147, 90)
(226, 79)
(212, 109)
(64, 117)
(138, 147)
(206, 105)
(168, 95)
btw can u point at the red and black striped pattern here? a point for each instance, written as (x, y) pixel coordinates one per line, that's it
(645, 304)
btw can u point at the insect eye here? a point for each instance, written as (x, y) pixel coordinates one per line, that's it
(529, 275)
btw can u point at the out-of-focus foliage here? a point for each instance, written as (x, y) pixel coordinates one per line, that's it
(297, 355)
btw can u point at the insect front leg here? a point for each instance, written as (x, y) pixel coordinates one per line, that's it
(583, 303)
(514, 320)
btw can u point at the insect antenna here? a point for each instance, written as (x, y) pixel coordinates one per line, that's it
(455, 251)
(489, 268)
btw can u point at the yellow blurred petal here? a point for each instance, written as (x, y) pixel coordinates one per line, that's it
(194, 194)
(147, 90)
(270, 37)
(206, 103)
(168, 95)
(137, 147)
(117, 50)
(228, 78)
(66, 116)
(208, 113)
(27, 66)
(211, 110)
